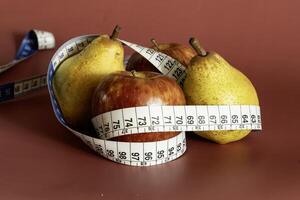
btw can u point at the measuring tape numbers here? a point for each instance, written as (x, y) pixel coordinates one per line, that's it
(164, 63)
(129, 153)
(143, 119)
(33, 41)
(147, 119)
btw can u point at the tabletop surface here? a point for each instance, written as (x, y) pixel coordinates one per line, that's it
(40, 159)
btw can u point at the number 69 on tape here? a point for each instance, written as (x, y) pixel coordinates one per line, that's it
(147, 119)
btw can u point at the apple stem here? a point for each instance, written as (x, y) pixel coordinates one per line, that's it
(115, 32)
(156, 46)
(197, 47)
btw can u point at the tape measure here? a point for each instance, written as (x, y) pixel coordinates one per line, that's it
(164, 63)
(147, 119)
(33, 41)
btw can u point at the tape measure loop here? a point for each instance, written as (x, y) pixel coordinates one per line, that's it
(145, 119)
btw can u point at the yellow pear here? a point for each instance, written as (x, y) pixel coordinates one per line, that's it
(211, 80)
(78, 76)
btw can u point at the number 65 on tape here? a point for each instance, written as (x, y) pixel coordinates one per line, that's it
(168, 118)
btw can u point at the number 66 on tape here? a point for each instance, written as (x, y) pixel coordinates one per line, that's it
(154, 118)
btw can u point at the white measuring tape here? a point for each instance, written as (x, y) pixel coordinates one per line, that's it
(164, 63)
(33, 41)
(147, 119)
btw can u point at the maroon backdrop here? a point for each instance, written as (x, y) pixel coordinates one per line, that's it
(39, 159)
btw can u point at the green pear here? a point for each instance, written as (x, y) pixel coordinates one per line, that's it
(211, 80)
(78, 76)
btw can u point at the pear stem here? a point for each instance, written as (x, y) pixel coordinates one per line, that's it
(133, 72)
(156, 46)
(115, 33)
(197, 47)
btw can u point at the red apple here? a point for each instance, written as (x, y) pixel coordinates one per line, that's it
(181, 53)
(130, 89)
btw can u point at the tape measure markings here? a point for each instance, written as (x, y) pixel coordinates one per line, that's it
(33, 41)
(146, 119)
(45, 39)
(139, 154)
(161, 61)
(71, 48)
(135, 120)
(11, 90)
(31, 84)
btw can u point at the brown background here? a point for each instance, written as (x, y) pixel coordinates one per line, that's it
(39, 159)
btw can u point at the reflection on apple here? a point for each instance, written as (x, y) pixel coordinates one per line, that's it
(179, 52)
(130, 89)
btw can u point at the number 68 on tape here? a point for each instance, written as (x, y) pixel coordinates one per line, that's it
(147, 119)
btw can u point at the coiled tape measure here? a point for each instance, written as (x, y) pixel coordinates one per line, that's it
(143, 119)
(33, 41)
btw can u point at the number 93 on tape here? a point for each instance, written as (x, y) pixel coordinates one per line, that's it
(147, 119)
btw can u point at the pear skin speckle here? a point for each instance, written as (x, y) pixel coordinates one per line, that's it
(78, 76)
(211, 80)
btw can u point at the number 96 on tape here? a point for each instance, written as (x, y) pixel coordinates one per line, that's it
(139, 154)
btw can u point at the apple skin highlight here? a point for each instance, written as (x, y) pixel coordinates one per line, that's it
(181, 53)
(131, 89)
